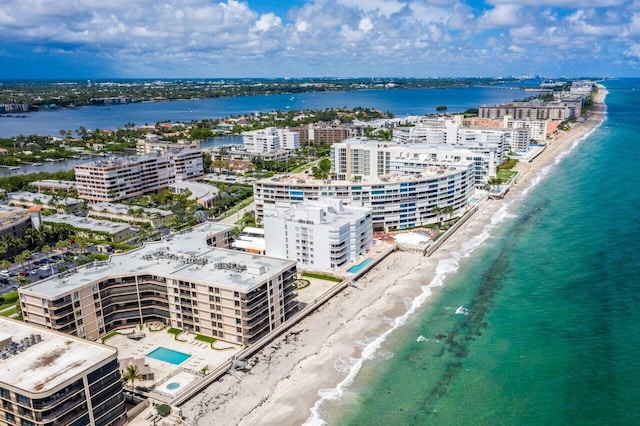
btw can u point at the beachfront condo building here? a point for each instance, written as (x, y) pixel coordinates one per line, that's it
(319, 235)
(534, 110)
(181, 281)
(50, 378)
(126, 177)
(490, 143)
(358, 159)
(398, 200)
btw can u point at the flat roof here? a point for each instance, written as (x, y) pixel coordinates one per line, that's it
(124, 209)
(11, 215)
(32, 197)
(88, 223)
(50, 363)
(183, 256)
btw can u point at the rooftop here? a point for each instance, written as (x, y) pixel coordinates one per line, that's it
(88, 223)
(184, 256)
(11, 215)
(39, 198)
(123, 209)
(49, 363)
(198, 191)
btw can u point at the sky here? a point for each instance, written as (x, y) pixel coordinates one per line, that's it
(97, 39)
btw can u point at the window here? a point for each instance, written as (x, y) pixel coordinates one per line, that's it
(23, 399)
(4, 393)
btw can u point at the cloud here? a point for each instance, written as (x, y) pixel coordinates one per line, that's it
(503, 15)
(321, 37)
(633, 51)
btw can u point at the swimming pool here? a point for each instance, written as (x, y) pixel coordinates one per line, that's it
(359, 266)
(168, 355)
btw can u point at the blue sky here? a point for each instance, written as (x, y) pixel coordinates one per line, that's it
(315, 38)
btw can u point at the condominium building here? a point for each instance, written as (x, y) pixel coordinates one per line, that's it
(357, 159)
(398, 200)
(181, 281)
(126, 177)
(289, 140)
(323, 234)
(263, 140)
(50, 378)
(491, 143)
(327, 134)
(535, 110)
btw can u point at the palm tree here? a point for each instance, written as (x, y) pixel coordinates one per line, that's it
(130, 375)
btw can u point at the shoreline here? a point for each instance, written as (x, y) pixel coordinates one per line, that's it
(288, 375)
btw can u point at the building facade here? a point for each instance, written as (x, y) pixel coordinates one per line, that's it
(127, 177)
(50, 378)
(319, 235)
(181, 281)
(398, 200)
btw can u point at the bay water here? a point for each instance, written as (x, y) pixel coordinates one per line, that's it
(539, 323)
(401, 102)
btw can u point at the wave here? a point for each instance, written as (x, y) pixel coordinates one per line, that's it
(444, 268)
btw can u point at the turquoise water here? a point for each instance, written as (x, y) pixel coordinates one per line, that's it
(359, 266)
(550, 335)
(168, 355)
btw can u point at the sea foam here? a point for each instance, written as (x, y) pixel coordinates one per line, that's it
(444, 268)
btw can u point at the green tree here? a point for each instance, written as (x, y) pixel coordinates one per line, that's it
(130, 375)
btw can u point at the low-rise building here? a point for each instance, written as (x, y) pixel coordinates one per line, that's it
(130, 214)
(181, 281)
(153, 143)
(92, 228)
(49, 202)
(50, 378)
(319, 235)
(54, 186)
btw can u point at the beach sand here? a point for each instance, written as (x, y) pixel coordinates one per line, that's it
(283, 383)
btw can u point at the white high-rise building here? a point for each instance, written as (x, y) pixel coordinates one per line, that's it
(289, 140)
(260, 141)
(358, 159)
(319, 235)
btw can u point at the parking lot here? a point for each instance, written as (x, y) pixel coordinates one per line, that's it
(39, 267)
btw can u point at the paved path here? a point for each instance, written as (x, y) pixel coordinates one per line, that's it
(237, 216)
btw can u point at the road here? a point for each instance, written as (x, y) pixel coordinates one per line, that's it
(237, 216)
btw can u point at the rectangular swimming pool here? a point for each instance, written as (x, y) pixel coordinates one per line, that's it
(359, 266)
(168, 355)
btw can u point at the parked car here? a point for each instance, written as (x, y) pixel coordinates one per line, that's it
(34, 272)
(24, 274)
(45, 267)
(4, 273)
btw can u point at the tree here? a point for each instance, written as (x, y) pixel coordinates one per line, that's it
(46, 249)
(130, 375)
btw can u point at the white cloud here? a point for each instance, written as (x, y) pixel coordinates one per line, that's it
(633, 51)
(503, 15)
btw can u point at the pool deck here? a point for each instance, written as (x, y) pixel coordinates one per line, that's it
(201, 356)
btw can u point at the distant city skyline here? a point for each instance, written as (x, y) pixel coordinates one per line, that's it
(68, 39)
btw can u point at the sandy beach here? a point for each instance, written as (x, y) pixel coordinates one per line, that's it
(285, 378)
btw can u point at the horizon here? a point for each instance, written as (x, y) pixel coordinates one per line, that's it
(152, 39)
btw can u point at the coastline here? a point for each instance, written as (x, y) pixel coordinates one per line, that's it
(287, 376)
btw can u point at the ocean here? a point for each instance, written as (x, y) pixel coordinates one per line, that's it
(537, 320)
